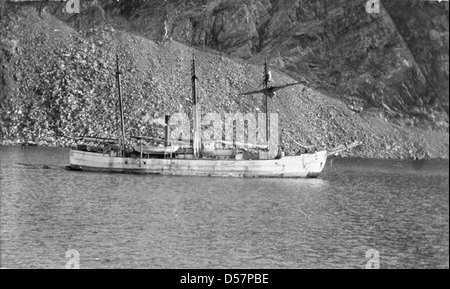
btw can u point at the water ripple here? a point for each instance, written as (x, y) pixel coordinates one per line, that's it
(126, 221)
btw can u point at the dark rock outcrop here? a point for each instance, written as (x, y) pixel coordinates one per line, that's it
(396, 60)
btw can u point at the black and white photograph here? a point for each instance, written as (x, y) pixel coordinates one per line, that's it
(224, 141)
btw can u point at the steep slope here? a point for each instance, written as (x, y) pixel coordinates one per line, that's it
(396, 60)
(424, 25)
(336, 45)
(59, 81)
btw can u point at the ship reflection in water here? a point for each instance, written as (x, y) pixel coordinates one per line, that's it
(398, 208)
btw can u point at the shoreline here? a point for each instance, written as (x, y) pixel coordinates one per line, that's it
(348, 154)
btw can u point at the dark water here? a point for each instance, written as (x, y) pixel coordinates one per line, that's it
(399, 208)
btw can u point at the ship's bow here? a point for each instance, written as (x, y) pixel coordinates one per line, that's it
(315, 163)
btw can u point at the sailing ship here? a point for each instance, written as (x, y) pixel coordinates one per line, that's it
(195, 157)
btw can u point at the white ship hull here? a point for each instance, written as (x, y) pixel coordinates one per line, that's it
(303, 166)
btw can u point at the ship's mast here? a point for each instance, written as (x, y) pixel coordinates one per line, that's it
(269, 92)
(266, 95)
(196, 122)
(122, 122)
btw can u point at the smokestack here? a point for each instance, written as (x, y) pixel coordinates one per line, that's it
(167, 138)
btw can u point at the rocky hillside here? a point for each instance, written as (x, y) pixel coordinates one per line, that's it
(396, 60)
(57, 72)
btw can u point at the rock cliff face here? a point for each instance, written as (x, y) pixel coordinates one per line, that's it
(424, 27)
(397, 60)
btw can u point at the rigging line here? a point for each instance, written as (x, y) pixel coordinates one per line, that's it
(259, 86)
(309, 218)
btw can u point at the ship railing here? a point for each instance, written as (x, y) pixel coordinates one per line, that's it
(108, 144)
